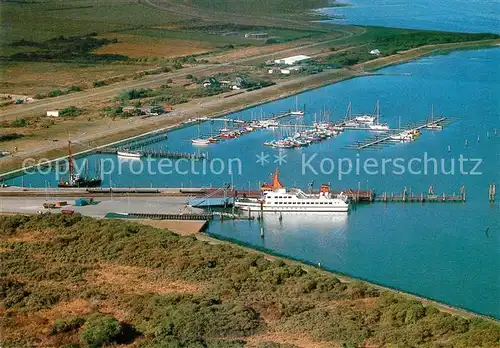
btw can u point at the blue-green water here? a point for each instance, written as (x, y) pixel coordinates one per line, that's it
(449, 252)
(448, 15)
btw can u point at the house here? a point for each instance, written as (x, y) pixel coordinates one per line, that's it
(292, 60)
(291, 70)
(375, 52)
(54, 113)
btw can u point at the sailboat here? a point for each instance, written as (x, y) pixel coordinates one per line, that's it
(74, 179)
(404, 136)
(348, 120)
(200, 141)
(297, 112)
(433, 125)
(377, 126)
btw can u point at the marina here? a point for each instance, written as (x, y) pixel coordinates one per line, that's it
(434, 234)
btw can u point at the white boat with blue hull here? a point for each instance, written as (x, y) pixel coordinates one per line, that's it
(276, 198)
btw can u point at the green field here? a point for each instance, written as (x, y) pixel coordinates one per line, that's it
(43, 20)
(39, 21)
(258, 7)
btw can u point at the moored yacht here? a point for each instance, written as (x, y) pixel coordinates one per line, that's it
(276, 198)
(365, 119)
(200, 141)
(379, 127)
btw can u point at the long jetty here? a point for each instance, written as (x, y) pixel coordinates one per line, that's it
(148, 141)
(154, 216)
(158, 154)
(388, 136)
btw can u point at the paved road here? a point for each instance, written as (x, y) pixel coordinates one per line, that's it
(159, 205)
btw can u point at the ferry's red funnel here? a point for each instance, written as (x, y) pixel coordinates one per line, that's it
(275, 184)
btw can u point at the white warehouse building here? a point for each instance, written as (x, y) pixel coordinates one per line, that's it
(292, 60)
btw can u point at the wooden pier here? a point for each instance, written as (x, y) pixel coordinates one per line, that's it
(157, 154)
(145, 142)
(356, 196)
(353, 195)
(492, 191)
(147, 139)
(430, 197)
(387, 137)
(154, 216)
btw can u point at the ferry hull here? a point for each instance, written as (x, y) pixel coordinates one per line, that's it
(256, 207)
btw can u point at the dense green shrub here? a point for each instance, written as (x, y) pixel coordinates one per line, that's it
(62, 49)
(100, 330)
(12, 292)
(10, 136)
(236, 288)
(55, 93)
(71, 111)
(74, 89)
(136, 94)
(99, 84)
(19, 123)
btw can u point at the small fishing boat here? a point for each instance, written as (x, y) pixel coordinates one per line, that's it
(128, 154)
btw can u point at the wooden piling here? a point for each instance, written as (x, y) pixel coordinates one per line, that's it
(492, 193)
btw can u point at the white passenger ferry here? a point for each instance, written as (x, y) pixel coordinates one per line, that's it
(276, 198)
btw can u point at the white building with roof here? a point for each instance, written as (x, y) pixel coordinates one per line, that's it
(292, 60)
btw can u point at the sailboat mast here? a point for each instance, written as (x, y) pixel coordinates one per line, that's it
(70, 160)
(378, 112)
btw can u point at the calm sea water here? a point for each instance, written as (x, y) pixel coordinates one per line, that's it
(448, 15)
(449, 252)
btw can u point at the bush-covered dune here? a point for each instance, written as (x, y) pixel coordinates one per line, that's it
(73, 281)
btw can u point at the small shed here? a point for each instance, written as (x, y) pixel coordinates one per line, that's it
(375, 52)
(53, 113)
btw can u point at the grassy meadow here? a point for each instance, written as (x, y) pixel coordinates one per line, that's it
(39, 40)
(73, 281)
